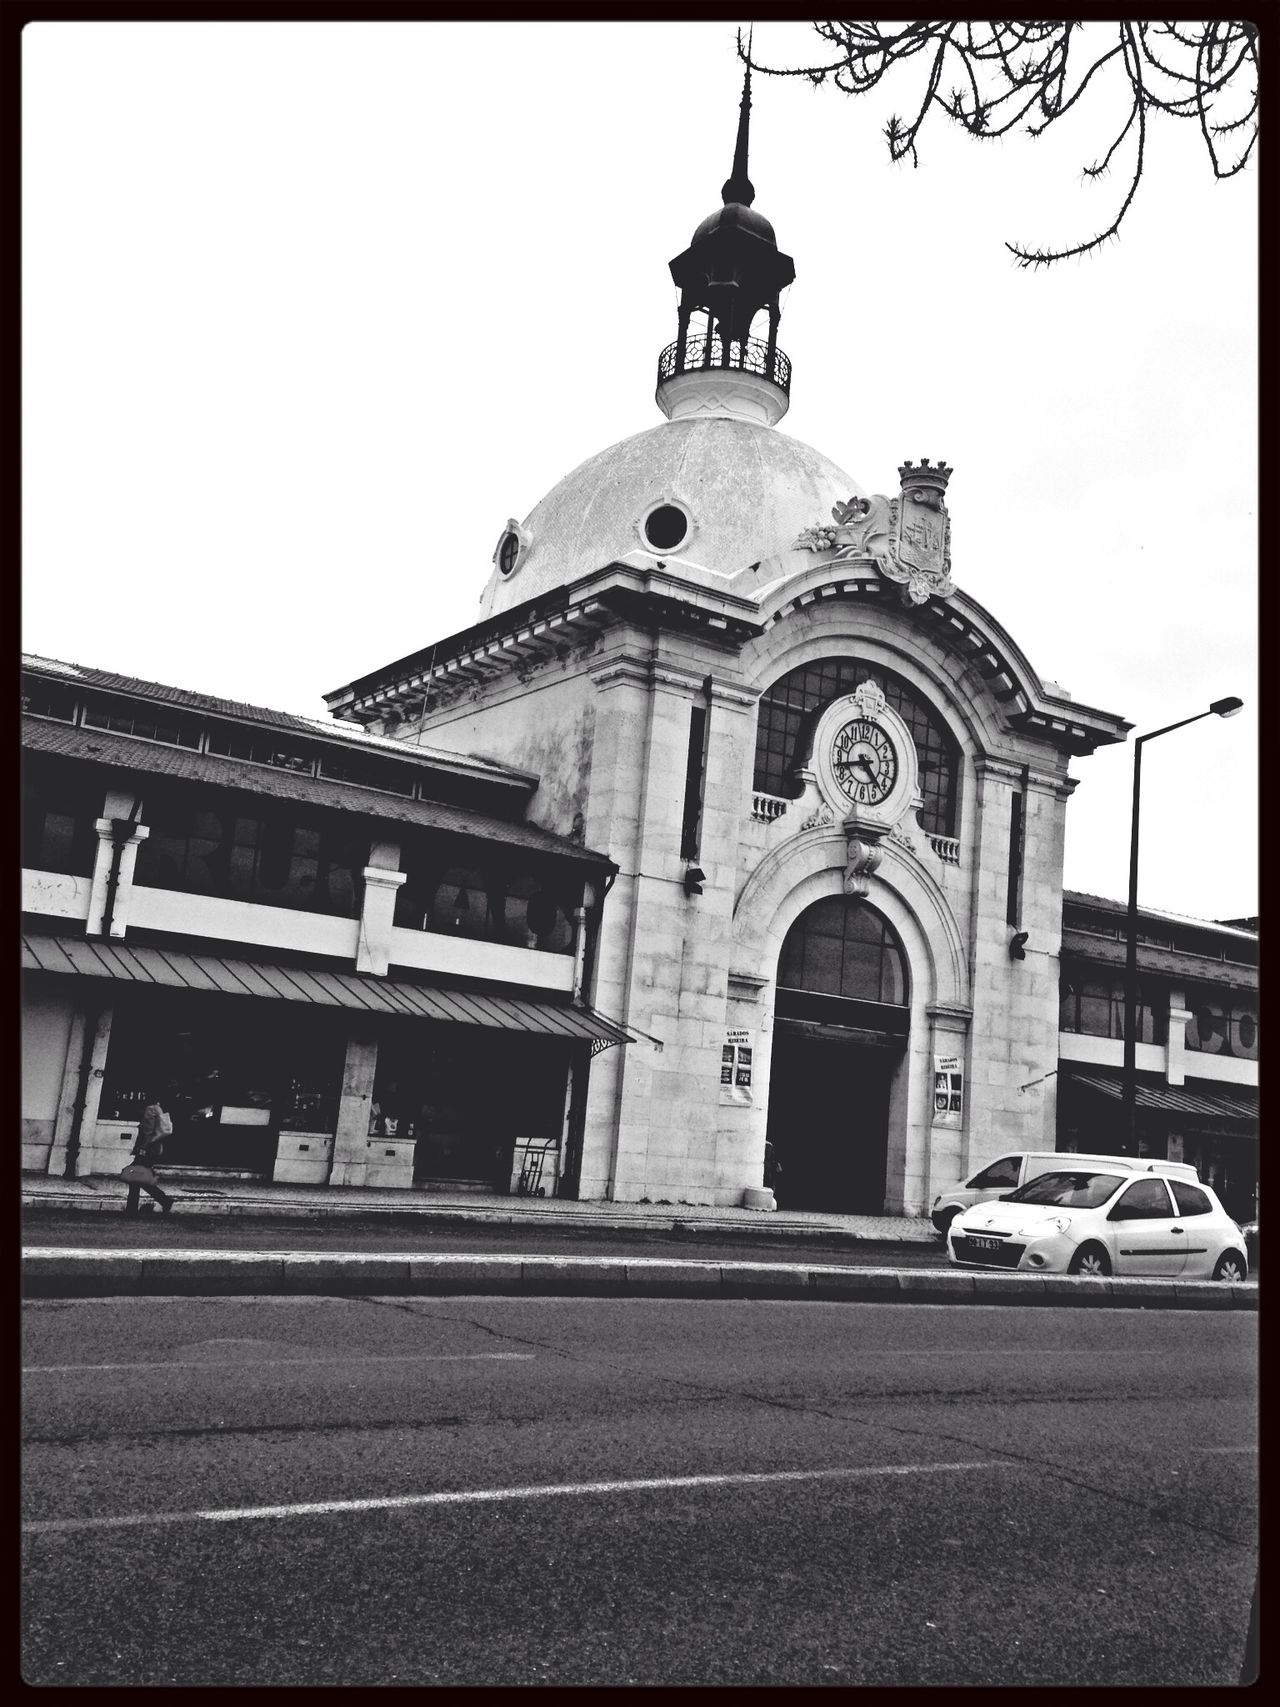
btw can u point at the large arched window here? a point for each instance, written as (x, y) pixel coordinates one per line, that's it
(791, 707)
(842, 947)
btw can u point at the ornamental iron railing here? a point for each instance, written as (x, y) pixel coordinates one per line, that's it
(702, 352)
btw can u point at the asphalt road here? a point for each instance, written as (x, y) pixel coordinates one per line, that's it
(99, 1231)
(933, 1495)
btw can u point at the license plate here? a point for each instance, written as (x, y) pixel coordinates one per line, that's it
(980, 1244)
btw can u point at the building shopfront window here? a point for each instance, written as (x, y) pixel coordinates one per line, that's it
(234, 1073)
(490, 898)
(59, 816)
(792, 706)
(1222, 1023)
(277, 858)
(1093, 1004)
(466, 1095)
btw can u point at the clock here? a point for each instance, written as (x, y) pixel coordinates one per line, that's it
(865, 761)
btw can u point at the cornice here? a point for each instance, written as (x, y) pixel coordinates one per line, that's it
(647, 671)
(967, 630)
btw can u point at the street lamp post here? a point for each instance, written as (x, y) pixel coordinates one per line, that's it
(1129, 1085)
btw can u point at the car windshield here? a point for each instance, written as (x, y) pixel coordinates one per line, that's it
(1069, 1190)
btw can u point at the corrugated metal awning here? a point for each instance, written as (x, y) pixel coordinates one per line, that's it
(1232, 1102)
(170, 968)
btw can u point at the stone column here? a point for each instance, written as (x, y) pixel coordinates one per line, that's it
(351, 1141)
(113, 834)
(1175, 1070)
(373, 947)
(97, 1065)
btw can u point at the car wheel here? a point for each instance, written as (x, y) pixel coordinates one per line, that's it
(1232, 1267)
(943, 1222)
(1090, 1260)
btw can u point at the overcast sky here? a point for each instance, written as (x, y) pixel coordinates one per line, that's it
(311, 309)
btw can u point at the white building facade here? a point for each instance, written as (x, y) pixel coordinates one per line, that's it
(834, 788)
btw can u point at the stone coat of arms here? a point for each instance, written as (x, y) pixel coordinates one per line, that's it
(908, 538)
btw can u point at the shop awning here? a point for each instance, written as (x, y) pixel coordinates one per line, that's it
(170, 968)
(1237, 1103)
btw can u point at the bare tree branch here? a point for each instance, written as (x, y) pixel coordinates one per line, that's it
(1207, 72)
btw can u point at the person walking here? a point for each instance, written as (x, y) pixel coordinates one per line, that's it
(140, 1175)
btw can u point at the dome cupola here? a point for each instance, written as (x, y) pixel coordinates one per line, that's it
(732, 272)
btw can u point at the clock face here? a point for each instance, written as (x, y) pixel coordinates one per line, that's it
(864, 762)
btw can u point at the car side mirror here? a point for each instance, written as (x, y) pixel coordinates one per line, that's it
(1120, 1213)
(1005, 1197)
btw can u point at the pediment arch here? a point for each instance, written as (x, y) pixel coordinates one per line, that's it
(810, 867)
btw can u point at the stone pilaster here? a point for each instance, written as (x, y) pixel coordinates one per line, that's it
(101, 1022)
(1175, 1071)
(946, 1151)
(373, 948)
(351, 1141)
(113, 834)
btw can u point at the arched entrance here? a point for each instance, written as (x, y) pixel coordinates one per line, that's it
(841, 1019)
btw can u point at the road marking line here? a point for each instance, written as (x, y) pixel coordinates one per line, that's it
(491, 1496)
(277, 1362)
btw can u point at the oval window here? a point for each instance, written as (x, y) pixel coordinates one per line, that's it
(508, 551)
(665, 527)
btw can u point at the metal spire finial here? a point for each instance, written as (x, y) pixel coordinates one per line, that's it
(737, 186)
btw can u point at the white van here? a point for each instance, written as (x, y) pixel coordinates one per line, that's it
(1020, 1167)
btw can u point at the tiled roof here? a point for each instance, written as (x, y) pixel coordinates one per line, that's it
(1105, 904)
(127, 752)
(349, 733)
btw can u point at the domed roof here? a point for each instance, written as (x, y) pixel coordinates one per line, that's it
(745, 492)
(736, 213)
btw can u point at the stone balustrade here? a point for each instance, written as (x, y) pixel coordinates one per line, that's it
(766, 807)
(947, 849)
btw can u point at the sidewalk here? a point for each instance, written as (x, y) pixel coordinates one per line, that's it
(105, 1194)
(140, 1272)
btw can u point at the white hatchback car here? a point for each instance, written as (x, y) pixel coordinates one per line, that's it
(1098, 1221)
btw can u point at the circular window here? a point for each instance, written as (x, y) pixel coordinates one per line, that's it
(508, 551)
(665, 527)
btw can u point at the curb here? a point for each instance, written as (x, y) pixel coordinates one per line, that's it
(691, 1226)
(50, 1273)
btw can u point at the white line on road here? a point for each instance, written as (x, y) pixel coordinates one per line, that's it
(491, 1496)
(277, 1362)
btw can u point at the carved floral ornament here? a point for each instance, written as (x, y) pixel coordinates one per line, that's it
(907, 538)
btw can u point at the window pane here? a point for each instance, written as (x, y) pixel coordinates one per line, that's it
(893, 977)
(1003, 1172)
(791, 962)
(792, 704)
(822, 957)
(1190, 1199)
(1147, 1199)
(864, 961)
(241, 871)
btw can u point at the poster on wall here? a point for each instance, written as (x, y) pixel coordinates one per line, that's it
(948, 1085)
(736, 1066)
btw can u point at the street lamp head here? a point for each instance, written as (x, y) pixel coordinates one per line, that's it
(1227, 707)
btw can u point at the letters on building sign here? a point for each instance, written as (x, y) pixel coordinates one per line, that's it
(948, 1085)
(736, 1065)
